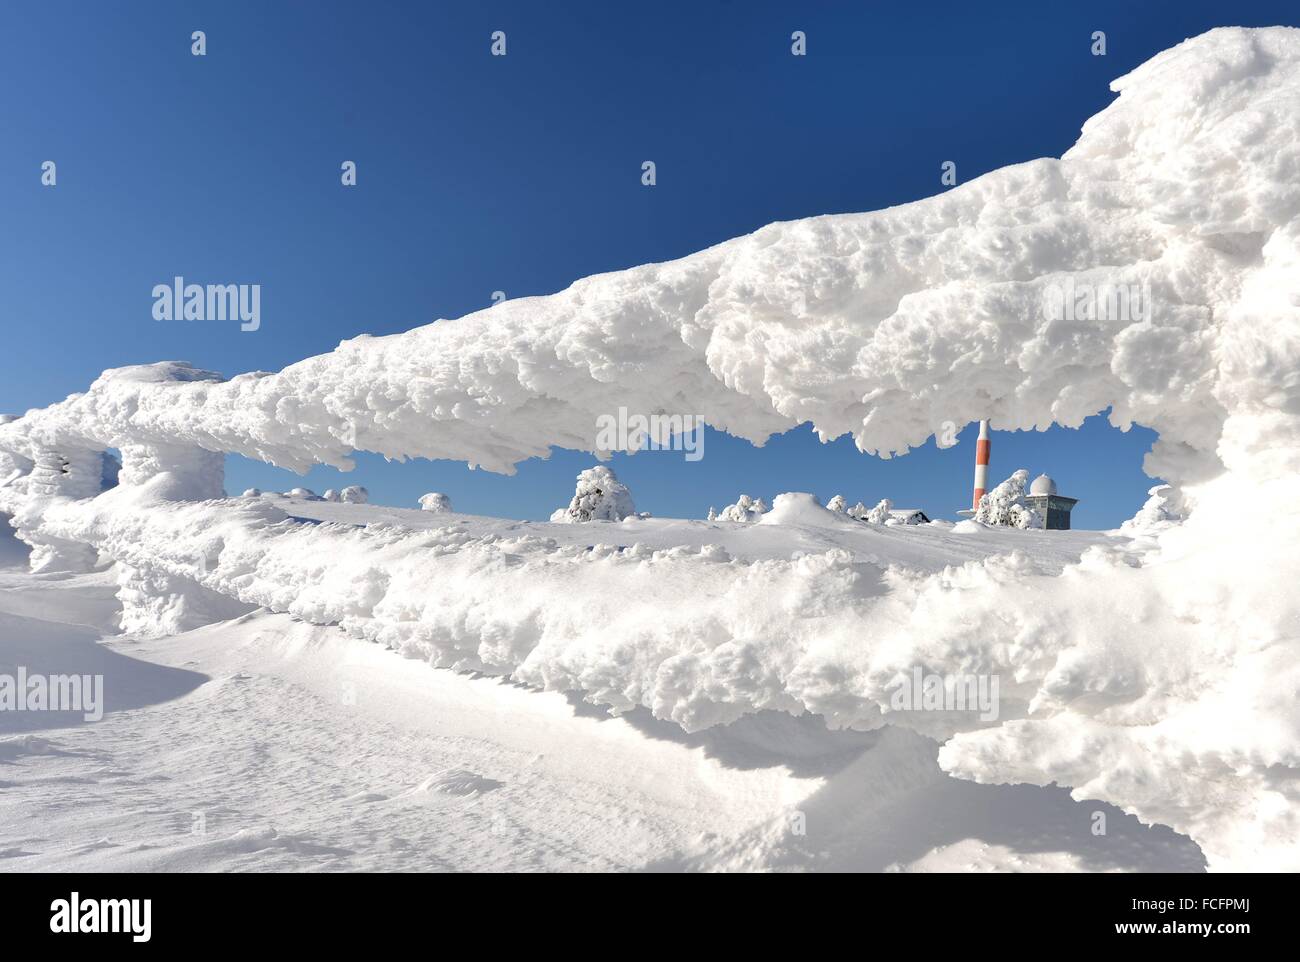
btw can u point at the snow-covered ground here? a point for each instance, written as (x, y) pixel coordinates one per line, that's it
(922, 547)
(269, 743)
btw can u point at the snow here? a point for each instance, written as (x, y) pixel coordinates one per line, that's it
(881, 513)
(744, 510)
(1005, 506)
(354, 494)
(1164, 505)
(600, 496)
(1153, 668)
(268, 744)
(798, 508)
(435, 502)
(1183, 184)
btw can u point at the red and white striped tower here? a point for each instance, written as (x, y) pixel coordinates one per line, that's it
(981, 465)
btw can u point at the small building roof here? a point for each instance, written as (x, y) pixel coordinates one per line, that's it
(1043, 485)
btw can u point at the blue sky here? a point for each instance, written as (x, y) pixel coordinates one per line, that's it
(521, 174)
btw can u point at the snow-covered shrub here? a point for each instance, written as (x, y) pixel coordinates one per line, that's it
(860, 511)
(880, 513)
(600, 496)
(252, 493)
(1005, 506)
(305, 493)
(1165, 505)
(354, 494)
(745, 509)
(330, 495)
(435, 502)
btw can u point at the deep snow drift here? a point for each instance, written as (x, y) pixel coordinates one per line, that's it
(270, 744)
(1157, 671)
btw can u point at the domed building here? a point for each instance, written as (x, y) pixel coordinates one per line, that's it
(1054, 508)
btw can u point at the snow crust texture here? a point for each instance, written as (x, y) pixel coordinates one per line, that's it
(1159, 673)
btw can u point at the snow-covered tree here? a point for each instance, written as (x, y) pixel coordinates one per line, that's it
(600, 496)
(1005, 506)
(859, 511)
(745, 509)
(837, 504)
(354, 494)
(1165, 505)
(880, 513)
(435, 502)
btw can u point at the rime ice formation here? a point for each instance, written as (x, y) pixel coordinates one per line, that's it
(600, 496)
(1005, 506)
(1159, 673)
(883, 325)
(745, 509)
(880, 513)
(354, 494)
(1163, 507)
(436, 502)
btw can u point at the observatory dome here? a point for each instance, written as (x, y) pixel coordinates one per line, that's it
(1043, 485)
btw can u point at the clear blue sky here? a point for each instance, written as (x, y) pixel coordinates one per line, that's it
(480, 173)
